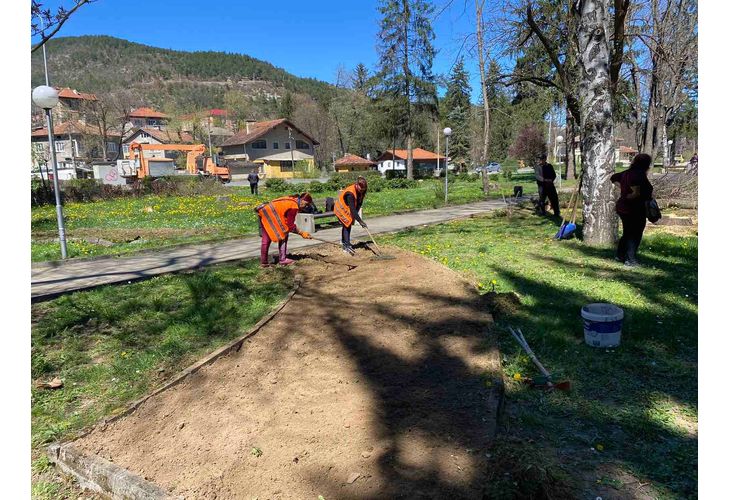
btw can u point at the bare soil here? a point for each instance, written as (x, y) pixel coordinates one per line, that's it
(370, 383)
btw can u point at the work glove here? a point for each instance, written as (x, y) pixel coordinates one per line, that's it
(362, 224)
(305, 235)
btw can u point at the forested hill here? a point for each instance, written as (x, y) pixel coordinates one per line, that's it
(104, 64)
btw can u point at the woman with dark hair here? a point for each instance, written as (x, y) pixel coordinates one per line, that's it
(636, 190)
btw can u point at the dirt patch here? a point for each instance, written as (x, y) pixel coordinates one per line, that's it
(371, 382)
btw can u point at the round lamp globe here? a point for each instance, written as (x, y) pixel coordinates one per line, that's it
(45, 97)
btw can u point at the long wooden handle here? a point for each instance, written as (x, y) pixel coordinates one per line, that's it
(376, 243)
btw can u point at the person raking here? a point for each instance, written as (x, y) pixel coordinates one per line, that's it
(277, 220)
(547, 173)
(347, 208)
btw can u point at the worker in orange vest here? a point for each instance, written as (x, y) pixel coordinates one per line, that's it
(347, 208)
(276, 221)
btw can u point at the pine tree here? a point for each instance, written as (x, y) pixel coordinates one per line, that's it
(286, 107)
(406, 57)
(457, 108)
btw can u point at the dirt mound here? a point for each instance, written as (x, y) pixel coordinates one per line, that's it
(371, 382)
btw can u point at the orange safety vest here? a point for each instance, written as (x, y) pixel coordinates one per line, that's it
(342, 211)
(273, 216)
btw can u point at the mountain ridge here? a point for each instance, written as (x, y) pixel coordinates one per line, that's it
(190, 79)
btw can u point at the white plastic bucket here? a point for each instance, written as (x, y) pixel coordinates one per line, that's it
(602, 324)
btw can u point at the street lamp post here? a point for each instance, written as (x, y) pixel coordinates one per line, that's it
(447, 133)
(47, 97)
(558, 142)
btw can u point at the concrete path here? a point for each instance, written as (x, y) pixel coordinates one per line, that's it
(55, 278)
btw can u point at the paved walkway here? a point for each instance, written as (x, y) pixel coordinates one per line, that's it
(52, 279)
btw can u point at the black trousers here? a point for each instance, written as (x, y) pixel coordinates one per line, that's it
(254, 188)
(548, 191)
(346, 235)
(633, 230)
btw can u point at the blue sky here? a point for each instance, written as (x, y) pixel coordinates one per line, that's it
(307, 38)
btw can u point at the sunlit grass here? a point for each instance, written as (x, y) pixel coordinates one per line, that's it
(638, 401)
(129, 225)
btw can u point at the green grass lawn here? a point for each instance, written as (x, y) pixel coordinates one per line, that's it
(632, 411)
(114, 344)
(131, 224)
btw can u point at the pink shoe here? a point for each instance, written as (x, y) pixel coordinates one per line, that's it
(285, 262)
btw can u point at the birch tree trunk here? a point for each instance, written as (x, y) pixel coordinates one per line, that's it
(479, 4)
(569, 146)
(599, 219)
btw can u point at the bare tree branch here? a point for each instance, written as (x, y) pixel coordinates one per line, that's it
(59, 19)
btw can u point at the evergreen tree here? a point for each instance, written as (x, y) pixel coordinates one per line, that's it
(500, 127)
(456, 113)
(406, 57)
(286, 107)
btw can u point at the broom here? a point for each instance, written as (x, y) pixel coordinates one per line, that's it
(567, 230)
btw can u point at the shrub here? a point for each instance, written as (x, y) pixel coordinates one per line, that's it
(40, 194)
(278, 185)
(467, 177)
(401, 183)
(376, 184)
(316, 187)
(507, 173)
(439, 192)
(395, 174)
(81, 189)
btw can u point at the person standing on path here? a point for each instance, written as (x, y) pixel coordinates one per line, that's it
(253, 181)
(636, 190)
(548, 186)
(347, 208)
(277, 220)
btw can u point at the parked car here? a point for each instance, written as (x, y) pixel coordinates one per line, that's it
(490, 167)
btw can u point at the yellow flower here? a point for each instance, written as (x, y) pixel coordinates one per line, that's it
(517, 376)
(599, 447)
(494, 282)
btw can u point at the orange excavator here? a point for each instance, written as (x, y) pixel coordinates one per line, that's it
(197, 163)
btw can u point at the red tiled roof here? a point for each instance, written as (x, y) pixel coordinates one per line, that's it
(69, 93)
(626, 149)
(354, 160)
(146, 113)
(418, 154)
(71, 127)
(261, 128)
(218, 112)
(164, 136)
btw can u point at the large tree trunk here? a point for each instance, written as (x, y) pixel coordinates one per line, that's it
(599, 219)
(569, 146)
(483, 75)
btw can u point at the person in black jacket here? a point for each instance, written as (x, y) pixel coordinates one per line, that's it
(548, 187)
(636, 190)
(253, 181)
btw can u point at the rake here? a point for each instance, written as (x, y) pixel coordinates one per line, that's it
(547, 379)
(379, 255)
